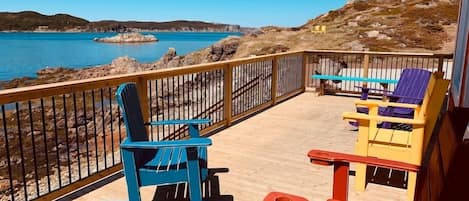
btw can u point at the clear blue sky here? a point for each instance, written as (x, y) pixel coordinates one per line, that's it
(252, 13)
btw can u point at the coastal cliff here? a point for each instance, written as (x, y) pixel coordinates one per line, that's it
(172, 26)
(33, 21)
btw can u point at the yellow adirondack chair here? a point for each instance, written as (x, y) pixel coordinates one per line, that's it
(323, 29)
(319, 29)
(398, 145)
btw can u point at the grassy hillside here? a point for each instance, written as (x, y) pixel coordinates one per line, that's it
(408, 24)
(376, 25)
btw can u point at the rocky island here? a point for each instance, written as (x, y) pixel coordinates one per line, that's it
(128, 38)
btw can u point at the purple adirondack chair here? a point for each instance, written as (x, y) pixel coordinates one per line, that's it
(410, 89)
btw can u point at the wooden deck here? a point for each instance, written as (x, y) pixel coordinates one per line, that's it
(267, 152)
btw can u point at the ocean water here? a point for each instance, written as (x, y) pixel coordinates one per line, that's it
(23, 54)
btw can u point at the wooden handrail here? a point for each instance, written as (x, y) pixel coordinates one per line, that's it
(32, 92)
(446, 56)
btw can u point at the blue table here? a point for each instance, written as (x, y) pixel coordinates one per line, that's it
(384, 82)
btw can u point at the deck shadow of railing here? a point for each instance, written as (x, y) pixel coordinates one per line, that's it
(178, 192)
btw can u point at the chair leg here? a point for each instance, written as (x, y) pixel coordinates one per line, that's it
(193, 170)
(134, 192)
(130, 175)
(411, 184)
(360, 177)
(322, 87)
(361, 149)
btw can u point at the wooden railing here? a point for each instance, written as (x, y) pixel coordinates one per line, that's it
(383, 65)
(59, 137)
(56, 138)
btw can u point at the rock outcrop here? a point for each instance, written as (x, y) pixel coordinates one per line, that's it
(128, 38)
(224, 49)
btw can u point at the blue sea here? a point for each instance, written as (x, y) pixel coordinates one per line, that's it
(23, 54)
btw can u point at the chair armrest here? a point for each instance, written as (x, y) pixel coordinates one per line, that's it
(361, 116)
(370, 103)
(341, 163)
(321, 157)
(183, 121)
(193, 142)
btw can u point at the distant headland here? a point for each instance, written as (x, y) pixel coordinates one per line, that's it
(30, 21)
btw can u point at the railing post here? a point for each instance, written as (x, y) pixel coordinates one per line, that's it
(142, 87)
(366, 63)
(440, 63)
(228, 93)
(305, 76)
(274, 80)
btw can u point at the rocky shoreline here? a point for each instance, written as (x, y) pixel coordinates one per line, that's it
(128, 38)
(222, 50)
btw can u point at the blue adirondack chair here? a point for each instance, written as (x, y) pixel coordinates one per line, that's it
(163, 162)
(410, 89)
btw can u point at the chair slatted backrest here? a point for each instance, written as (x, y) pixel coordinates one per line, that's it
(412, 83)
(127, 98)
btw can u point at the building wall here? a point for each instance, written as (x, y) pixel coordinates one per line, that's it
(460, 79)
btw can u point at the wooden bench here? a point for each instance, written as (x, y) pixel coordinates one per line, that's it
(323, 78)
